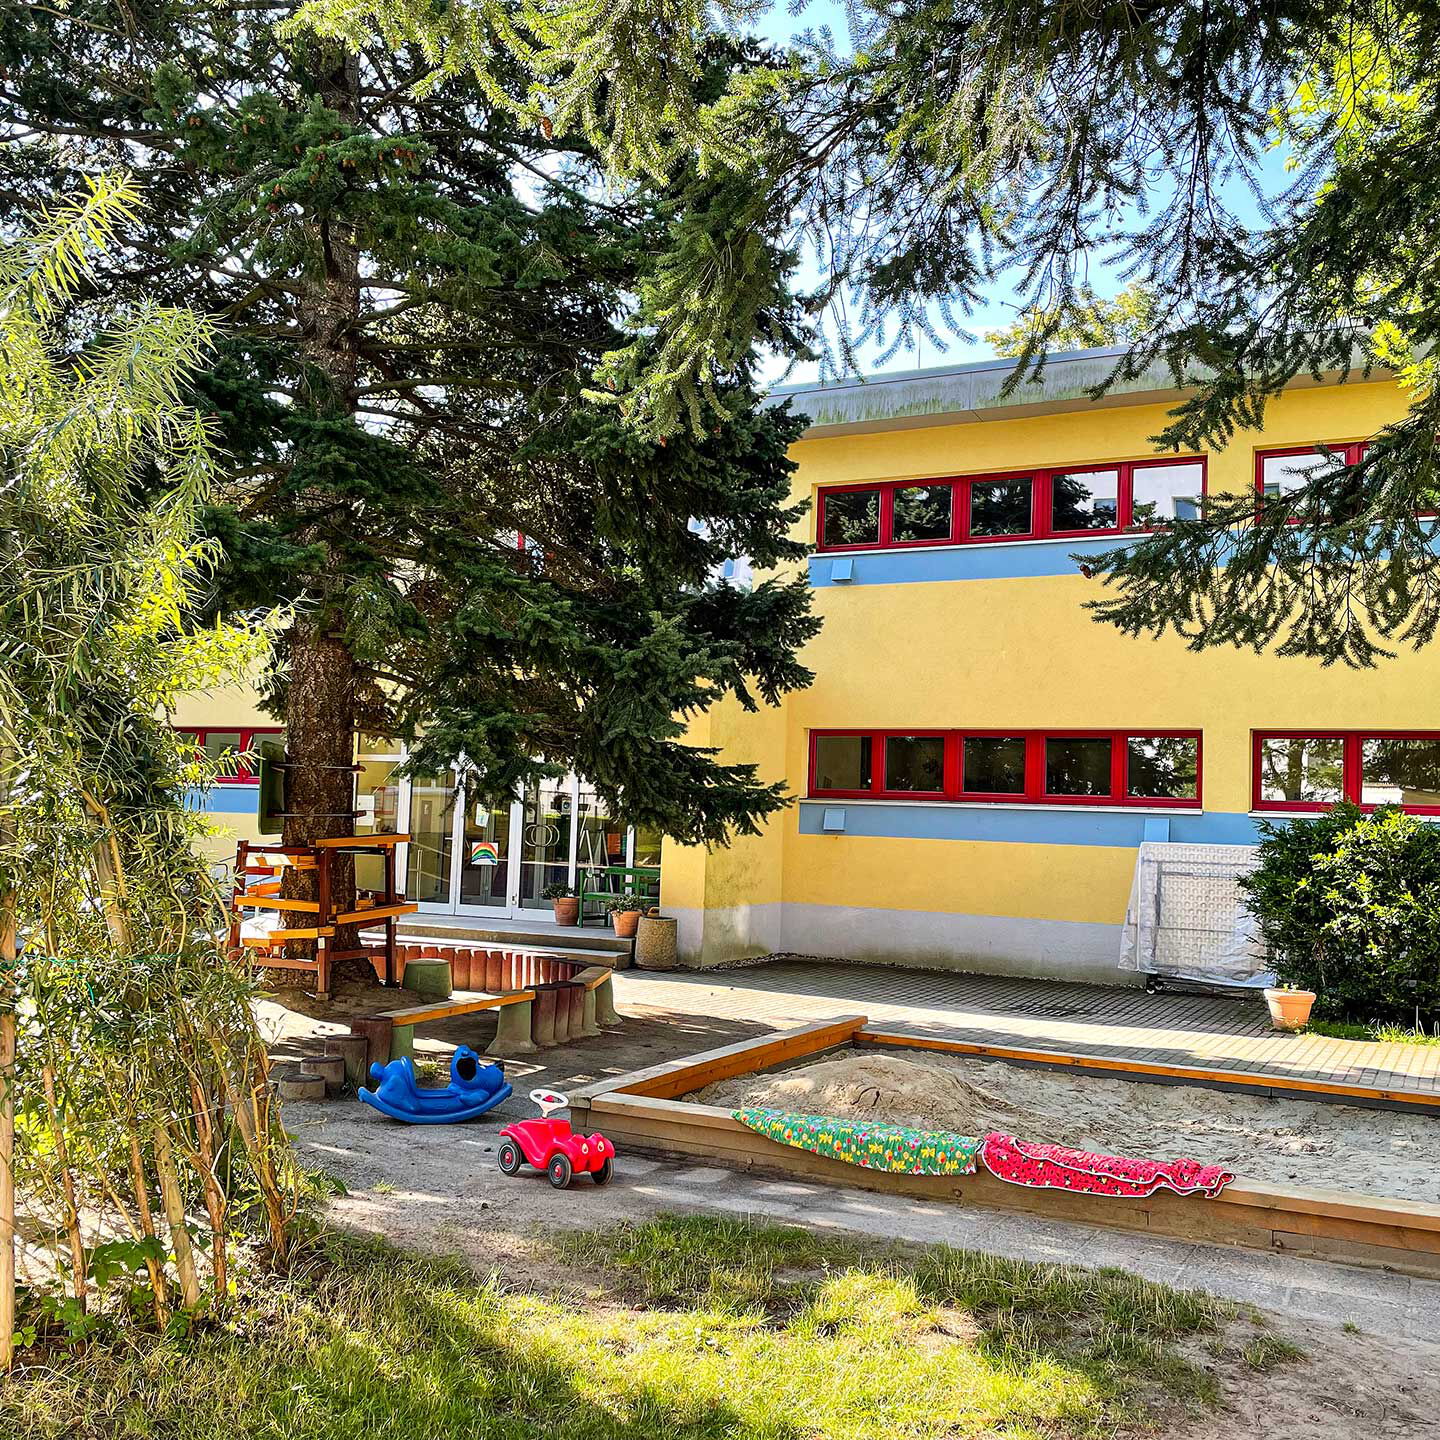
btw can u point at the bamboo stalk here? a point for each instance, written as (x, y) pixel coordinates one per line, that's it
(158, 1288)
(67, 1189)
(214, 1195)
(7, 1079)
(174, 1202)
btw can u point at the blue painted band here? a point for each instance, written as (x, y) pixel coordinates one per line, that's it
(1024, 825)
(1025, 559)
(225, 800)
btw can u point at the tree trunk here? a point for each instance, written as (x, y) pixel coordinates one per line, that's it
(320, 708)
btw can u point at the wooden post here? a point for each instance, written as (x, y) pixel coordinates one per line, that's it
(392, 897)
(324, 918)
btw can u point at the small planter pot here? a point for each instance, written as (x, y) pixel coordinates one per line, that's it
(567, 909)
(626, 922)
(1289, 1009)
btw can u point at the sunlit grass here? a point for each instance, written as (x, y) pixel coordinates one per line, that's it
(693, 1328)
(1388, 1032)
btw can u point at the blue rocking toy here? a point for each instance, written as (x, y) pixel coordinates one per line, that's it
(474, 1088)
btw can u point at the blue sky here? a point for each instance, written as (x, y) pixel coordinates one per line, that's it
(779, 24)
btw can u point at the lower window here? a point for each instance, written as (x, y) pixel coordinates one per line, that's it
(1297, 771)
(1095, 767)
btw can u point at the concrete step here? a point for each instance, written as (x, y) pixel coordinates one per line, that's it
(559, 939)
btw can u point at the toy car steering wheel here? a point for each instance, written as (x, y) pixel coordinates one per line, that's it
(549, 1100)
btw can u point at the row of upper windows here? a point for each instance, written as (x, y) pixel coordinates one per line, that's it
(1039, 504)
(1292, 771)
(218, 744)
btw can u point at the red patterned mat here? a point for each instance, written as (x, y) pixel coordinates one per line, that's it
(1056, 1167)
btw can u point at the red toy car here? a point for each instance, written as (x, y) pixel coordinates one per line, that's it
(551, 1146)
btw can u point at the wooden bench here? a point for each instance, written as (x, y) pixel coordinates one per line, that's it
(550, 1013)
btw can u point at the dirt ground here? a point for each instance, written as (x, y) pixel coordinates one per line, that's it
(1298, 1142)
(438, 1189)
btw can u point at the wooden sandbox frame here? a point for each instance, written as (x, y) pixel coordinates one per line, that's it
(642, 1112)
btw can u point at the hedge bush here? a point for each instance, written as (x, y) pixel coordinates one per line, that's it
(1348, 904)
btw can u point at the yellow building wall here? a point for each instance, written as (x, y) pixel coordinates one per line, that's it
(1018, 652)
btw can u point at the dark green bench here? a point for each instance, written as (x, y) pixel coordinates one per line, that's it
(603, 882)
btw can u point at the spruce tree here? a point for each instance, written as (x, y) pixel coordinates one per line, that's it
(411, 293)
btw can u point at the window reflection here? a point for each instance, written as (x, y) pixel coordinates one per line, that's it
(852, 517)
(1085, 500)
(1302, 769)
(1162, 767)
(1396, 771)
(1167, 492)
(915, 762)
(1000, 507)
(993, 765)
(922, 512)
(1077, 765)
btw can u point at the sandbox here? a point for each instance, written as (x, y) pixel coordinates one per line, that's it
(1313, 1176)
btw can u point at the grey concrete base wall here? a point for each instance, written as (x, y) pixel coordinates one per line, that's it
(978, 944)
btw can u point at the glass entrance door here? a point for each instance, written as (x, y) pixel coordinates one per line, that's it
(547, 840)
(484, 857)
(432, 840)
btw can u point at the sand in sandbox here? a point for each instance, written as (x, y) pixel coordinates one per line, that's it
(1311, 1144)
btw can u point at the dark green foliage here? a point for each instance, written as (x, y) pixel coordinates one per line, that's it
(1349, 906)
(414, 292)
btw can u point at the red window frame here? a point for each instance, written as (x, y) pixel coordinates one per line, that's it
(1041, 500)
(1350, 451)
(1351, 768)
(243, 775)
(1034, 792)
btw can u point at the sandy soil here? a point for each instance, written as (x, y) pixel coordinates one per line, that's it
(1300, 1142)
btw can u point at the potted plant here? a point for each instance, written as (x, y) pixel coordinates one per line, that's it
(1289, 1006)
(625, 912)
(565, 902)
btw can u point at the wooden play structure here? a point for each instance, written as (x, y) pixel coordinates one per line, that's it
(272, 937)
(643, 1112)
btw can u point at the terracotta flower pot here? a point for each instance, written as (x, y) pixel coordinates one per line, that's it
(1289, 1009)
(567, 909)
(625, 922)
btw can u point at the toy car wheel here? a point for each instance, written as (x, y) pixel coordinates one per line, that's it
(510, 1158)
(559, 1170)
(605, 1173)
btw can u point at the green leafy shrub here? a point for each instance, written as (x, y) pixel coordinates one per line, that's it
(1348, 905)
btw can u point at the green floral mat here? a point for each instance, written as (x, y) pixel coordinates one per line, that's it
(895, 1148)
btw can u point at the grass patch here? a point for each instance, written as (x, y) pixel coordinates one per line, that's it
(1388, 1032)
(691, 1328)
(1265, 1352)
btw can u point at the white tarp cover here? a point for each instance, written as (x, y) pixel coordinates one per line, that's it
(1187, 918)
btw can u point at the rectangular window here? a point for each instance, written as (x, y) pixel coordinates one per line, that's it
(1078, 765)
(1084, 500)
(1117, 768)
(215, 744)
(1295, 771)
(1063, 502)
(842, 764)
(1162, 767)
(1166, 492)
(1400, 770)
(915, 763)
(1300, 770)
(992, 765)
(922, 513)
(1000, 508)
(1280, 472)
(849, 517)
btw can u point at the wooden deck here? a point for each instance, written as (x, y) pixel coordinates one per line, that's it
(1220, 1035)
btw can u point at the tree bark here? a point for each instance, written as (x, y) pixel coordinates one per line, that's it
(321, 705)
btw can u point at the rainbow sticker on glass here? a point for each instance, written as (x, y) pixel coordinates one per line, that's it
(484, 852)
